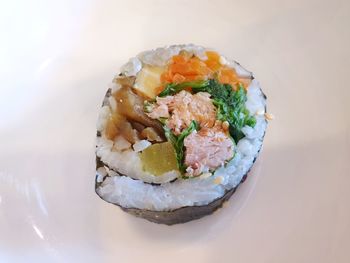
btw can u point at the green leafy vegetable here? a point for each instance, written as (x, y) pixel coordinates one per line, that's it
(178, 142)
(231, 107)
(174, 88)
(147, 106)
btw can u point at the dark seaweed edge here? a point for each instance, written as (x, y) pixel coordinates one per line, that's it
(183, 214)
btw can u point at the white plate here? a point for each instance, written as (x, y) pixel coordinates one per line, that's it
(56, 61)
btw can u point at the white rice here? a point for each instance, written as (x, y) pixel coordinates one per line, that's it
(131, 193)
(141, 145)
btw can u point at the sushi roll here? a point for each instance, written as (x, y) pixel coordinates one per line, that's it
(178, 131)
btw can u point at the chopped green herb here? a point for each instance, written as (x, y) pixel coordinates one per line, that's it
(178, 142)
(231, 107)
(174, 88)
(147, 106)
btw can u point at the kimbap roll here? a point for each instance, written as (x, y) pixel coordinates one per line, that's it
(178, 131)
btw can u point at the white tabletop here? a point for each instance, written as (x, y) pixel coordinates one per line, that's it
(56, 59)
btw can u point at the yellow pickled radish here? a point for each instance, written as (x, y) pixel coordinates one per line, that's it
(159, 158)
(148, 81)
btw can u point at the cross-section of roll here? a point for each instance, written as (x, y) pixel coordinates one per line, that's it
(178, 131)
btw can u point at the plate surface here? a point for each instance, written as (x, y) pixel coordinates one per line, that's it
(57, 59)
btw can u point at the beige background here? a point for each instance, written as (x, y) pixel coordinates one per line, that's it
(57, 58)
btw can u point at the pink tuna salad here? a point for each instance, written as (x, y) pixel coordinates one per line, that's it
(206, 149)
(184, 108)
